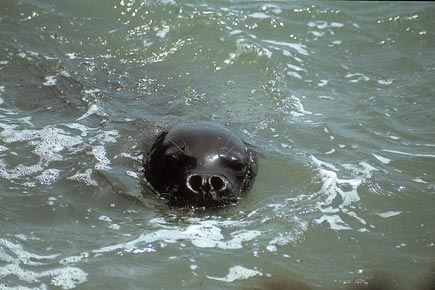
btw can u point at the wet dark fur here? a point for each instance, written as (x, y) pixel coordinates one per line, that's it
(168, 165)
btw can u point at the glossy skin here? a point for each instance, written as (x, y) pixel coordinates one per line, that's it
(200, 165)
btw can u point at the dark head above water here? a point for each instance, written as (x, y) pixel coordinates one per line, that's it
(200, 165)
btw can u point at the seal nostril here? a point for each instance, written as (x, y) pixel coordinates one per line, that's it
(217, 183)
(195, 182)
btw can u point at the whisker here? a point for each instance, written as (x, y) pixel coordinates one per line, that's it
(176, 145)
(228, 140)
(229, 150)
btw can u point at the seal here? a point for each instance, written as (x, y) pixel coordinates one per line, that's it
(200, 165)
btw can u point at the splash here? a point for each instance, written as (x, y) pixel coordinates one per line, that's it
(204, 234)
(339, 195)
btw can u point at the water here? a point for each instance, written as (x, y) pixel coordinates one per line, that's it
(338, 97)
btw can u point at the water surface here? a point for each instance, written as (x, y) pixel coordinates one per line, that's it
(338, 97)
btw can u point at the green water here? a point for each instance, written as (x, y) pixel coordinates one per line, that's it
(337, 96)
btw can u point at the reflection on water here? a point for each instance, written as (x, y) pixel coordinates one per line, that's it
(338, 98)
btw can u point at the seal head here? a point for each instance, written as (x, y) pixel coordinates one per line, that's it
(200, 165)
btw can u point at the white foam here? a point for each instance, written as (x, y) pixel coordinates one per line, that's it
(22, 255)
(48, 144)
(323, 83)
(19, 263)
(104, 218)
(359, 77)
(235, 32)
(265, 52)
(50, 81)
(65, 74)
(107, 219)
(326, 97)
(133, 174)
(48, 176)
(274, 8)
(130, 156)
(418, 180)
(2, 89)
(381, 158)
(299, 108)
(53, 141)
(427, 145)
(300, 48)
(353, 214)
(335, 222)
(92, 91)
(74, 259)
(85, 177)
(389, 214)
(319, 24)
(168, 2)
(18, 171)
(340, 193)
(51, 200)
(237, 273)
(259, 15)
(285, 52)
(10, 134)
(385, 82)
(294, 74)
(295, 67)
(92, 109)
(99, 153)
(105, 137)
(290, 236)
(65, 278)
(409, 154)
(330, 151)
(114, 227)
(323, 164)
(163, 32)
(147, 43)
(205, 234)
(82, 128)
(71, 55)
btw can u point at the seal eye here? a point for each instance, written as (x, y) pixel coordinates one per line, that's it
(236, 166)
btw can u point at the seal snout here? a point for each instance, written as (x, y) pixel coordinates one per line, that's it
(203, 183)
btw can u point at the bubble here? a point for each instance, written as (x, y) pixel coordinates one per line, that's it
(48, 176)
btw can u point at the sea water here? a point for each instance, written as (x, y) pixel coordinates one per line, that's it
(337, 97)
